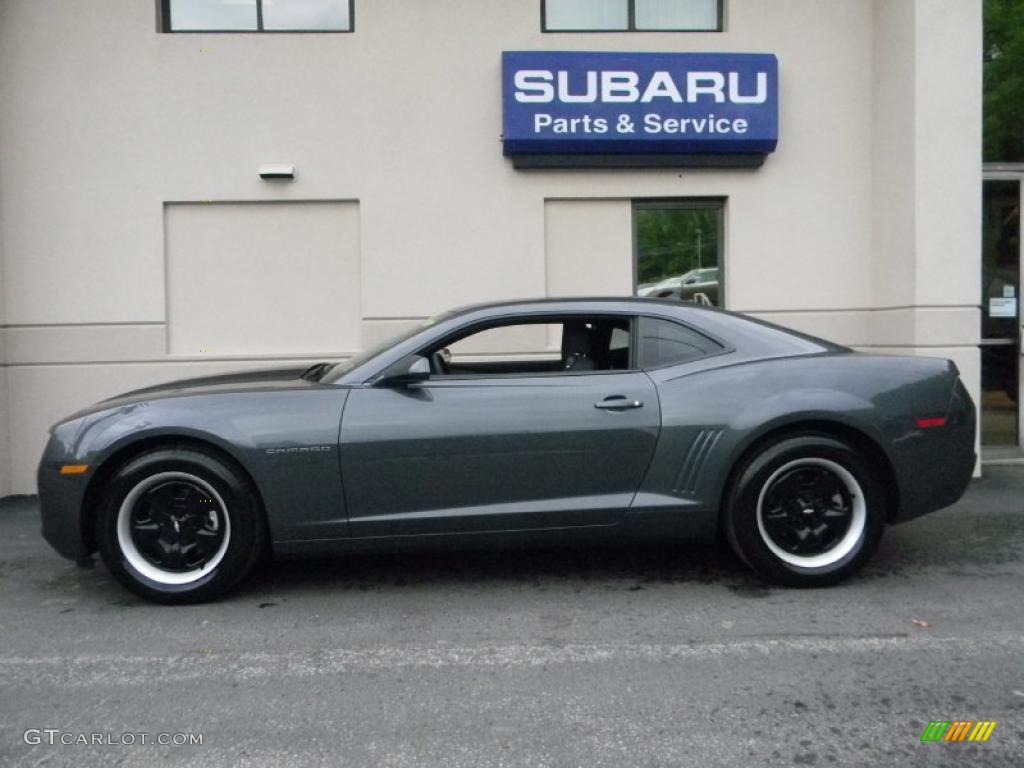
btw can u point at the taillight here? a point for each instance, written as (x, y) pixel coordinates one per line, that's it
(931, 421)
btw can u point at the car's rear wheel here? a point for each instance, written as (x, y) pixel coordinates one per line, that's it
(807, 510)
(178, 525)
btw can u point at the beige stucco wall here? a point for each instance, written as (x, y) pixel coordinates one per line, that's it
(5, 433)
(863, 226)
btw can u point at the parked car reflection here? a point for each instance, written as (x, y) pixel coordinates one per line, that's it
(699, 285)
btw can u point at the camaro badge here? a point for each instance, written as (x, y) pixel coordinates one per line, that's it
(300, 449)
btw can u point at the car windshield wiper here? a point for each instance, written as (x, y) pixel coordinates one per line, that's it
(316, 371)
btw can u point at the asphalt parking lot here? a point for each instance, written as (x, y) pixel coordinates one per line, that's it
(654, 655)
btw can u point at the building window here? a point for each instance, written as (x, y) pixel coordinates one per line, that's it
(678, 250)
(257, 15)
(631, 15)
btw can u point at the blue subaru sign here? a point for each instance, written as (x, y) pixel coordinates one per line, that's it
(582, 103)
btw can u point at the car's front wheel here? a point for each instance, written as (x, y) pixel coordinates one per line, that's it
(177, 525)
(806, 511)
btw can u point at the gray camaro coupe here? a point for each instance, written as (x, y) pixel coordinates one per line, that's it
(520, 421)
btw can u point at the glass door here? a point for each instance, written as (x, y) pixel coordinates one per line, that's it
(1000, 312)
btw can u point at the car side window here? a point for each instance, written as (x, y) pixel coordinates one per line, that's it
(663, 342)
(536, 346)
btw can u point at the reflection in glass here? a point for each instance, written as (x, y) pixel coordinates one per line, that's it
(213, 15)
(678, 252)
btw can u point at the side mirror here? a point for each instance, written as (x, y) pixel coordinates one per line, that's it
(408, 370)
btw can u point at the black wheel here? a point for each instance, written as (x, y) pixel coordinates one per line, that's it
(177, 525)
(806, 511)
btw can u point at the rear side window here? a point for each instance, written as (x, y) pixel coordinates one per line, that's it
(663, 342)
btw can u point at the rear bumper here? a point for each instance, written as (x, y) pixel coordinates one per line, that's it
(935, 466)
(941, 488)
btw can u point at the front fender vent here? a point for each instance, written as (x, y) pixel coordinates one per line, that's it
(696, 457)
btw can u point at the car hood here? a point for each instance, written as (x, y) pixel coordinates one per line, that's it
(233, 381)
(246, 381)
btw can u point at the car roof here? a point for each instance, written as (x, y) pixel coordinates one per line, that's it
(671, 306)
(632, 302)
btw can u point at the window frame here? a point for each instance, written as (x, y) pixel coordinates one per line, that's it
(724, 347)
(686, 204)
(478, 326)
(631, 22)
(164, 7)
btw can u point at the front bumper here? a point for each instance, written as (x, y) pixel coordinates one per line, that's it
(61, 499)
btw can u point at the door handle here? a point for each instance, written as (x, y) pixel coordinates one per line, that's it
(618, 403)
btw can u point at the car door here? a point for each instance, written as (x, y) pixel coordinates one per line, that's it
(465, 454)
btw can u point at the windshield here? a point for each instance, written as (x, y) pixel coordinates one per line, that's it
(339, 369)
(670, 282)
